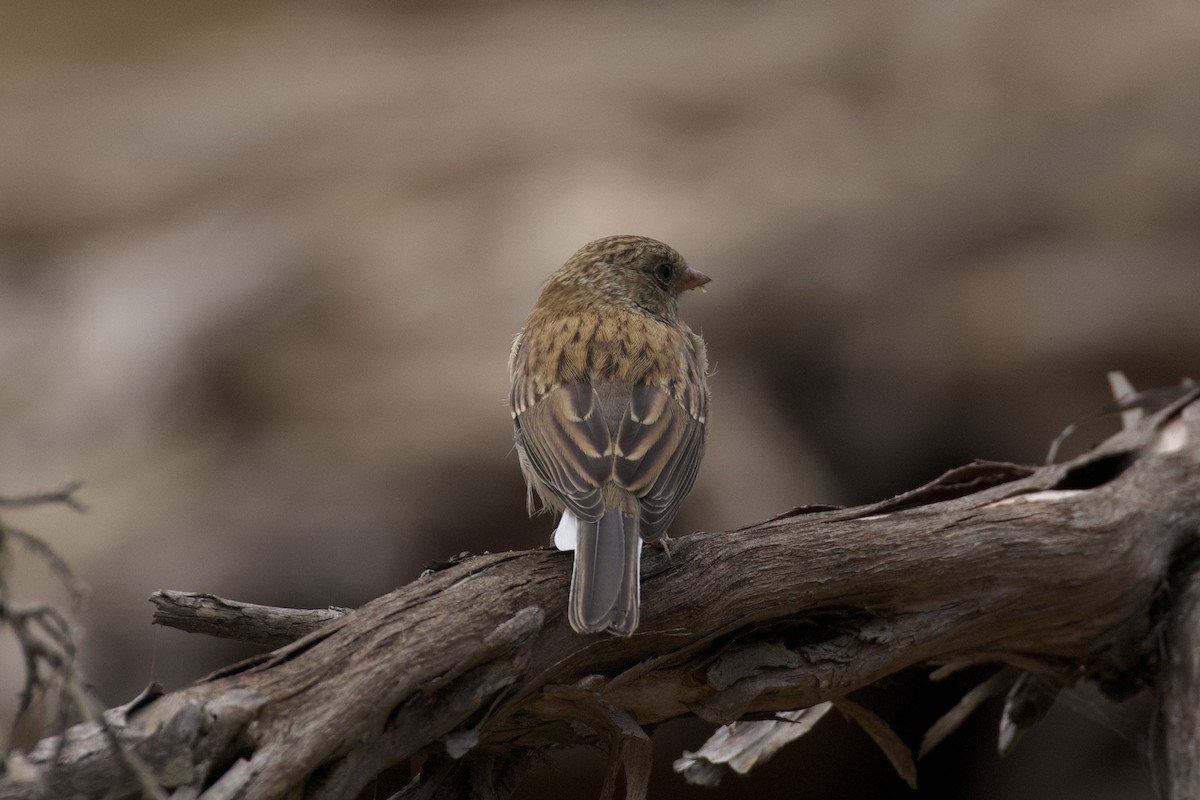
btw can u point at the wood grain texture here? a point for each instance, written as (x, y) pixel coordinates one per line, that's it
(1077, 571)
(200, 612)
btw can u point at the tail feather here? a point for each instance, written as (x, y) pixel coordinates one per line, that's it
(565, 534)
(606, 582)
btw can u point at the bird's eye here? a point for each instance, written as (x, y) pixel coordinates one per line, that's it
(664, 272)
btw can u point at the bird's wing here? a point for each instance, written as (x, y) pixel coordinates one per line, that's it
(566, 440)
(658, 450)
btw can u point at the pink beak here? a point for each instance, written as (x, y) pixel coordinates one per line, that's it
(693, 279)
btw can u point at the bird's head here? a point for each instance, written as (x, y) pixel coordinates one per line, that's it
(625, 271)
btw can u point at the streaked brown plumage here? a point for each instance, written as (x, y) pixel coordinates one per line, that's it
(609, 405)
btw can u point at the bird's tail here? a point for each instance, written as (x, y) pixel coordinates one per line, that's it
(606, 583)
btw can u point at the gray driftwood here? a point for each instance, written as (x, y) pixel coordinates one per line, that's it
(1084, 570)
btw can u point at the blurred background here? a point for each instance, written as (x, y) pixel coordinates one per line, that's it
(261, 264)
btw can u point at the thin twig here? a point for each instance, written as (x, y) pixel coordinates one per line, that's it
(64, 495)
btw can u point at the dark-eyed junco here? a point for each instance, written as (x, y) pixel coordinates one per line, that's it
(609, 404)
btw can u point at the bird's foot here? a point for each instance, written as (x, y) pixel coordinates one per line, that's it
(661, 544)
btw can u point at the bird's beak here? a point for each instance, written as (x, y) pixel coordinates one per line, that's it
(693, 279)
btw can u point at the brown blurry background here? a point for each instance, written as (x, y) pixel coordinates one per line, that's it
(261, 263)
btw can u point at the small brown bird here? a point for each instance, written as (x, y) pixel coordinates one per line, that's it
(609, 404)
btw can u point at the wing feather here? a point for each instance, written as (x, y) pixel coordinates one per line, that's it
(566, 440)
(658, 449)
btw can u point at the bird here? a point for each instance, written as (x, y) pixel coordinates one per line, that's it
(609, 404)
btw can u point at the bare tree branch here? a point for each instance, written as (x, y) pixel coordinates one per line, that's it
(64, 495)
(48, 646)
(1179, 688)
(196, 612)
(1083, 570)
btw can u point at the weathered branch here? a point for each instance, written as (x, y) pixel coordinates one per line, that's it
(1075, 571)
(196, 612)
(1179, 687)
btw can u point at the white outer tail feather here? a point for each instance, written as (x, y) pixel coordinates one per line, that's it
(567, 532)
